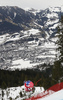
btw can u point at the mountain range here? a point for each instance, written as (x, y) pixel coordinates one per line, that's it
(28, 36)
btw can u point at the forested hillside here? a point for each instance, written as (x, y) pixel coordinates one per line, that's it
(57, 73)
(17, 78)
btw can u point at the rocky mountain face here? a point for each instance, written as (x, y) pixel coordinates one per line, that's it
(27, 37)
(13, 19)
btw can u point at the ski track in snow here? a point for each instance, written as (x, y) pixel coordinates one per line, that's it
(55, 96)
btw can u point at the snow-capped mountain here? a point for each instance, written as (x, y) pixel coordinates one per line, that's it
(13, 19)
(27, 38)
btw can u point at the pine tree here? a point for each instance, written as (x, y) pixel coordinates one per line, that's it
(60, 43)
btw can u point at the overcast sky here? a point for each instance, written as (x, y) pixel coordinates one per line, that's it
(37, 4)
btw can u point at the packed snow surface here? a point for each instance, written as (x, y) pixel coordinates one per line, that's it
(55, 96)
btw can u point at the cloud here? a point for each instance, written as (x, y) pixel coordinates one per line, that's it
(38, 4)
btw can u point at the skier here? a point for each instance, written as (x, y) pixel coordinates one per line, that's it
(28, 85)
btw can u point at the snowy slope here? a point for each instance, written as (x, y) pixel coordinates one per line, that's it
(18, 93)
(55, 96)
